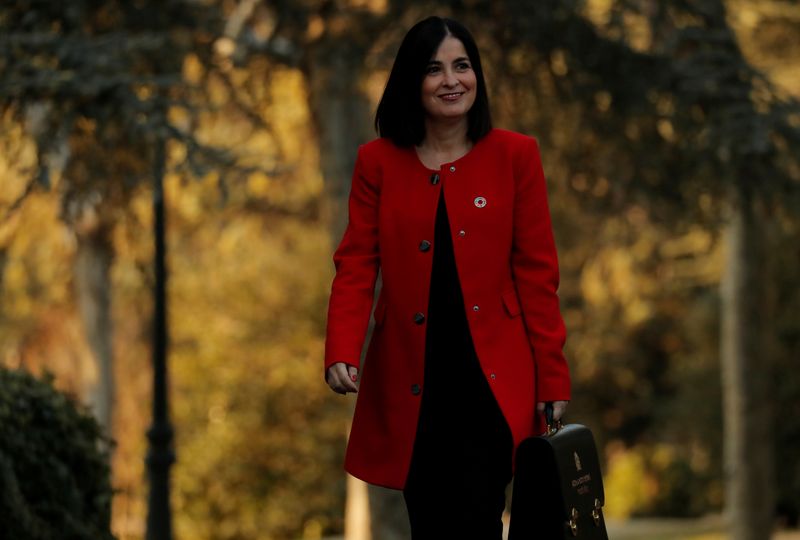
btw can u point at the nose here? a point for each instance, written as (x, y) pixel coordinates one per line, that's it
(450, 78)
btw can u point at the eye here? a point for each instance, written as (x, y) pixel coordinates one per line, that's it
(433, 68)
(463, 66)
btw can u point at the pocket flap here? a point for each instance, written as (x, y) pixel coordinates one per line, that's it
(511, 302)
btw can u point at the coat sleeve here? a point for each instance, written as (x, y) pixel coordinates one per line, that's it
(535, 268)
(357, 262)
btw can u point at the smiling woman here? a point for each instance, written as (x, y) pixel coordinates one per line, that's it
(468, 334)
(440, 56)
(448, 89)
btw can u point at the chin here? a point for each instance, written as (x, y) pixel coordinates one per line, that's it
(449, 112)
(451, 115)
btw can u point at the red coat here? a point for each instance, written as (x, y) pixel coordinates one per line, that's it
(506, 259)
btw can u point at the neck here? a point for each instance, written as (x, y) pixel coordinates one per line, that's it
(446, 136)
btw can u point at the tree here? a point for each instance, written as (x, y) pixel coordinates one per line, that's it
(318, 38)
(91, 82)
(732, 124)
(688, 88)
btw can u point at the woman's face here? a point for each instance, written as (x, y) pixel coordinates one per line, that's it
(448, 89)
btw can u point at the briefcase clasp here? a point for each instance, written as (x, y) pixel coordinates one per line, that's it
(598, 506)
(553, 428)
(573, 522)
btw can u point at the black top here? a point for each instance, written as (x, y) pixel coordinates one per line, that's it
(456, 393)
(461, 461)
(448, 339)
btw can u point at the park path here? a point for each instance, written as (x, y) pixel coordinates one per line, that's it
(705, 528)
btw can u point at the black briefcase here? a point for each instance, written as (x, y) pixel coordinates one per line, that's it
(558, 488)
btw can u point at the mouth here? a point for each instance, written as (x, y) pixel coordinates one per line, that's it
(451, 96)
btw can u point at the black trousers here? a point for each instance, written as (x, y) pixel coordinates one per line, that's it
(461, 463)
(458, 476)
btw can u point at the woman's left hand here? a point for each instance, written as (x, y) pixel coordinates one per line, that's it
(558, 408)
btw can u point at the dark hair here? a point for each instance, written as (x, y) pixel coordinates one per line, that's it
(400, 115)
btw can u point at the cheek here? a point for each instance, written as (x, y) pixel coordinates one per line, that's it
(471, 101)
(428, 90)
(472, 84)
(472, 81)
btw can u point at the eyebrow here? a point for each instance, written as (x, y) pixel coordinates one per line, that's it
(459, 59)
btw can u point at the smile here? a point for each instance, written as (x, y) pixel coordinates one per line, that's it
(451, 97)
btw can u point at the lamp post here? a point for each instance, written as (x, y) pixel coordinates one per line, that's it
(160, 455)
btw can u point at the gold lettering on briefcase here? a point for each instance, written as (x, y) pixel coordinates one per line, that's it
(582, 480)
(581, 485)
(577, 461)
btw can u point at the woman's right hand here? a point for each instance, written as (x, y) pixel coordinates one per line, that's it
(342, 378)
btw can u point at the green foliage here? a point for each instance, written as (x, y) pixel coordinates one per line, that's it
(54, 477)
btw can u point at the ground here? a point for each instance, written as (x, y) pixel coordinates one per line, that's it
(707, 528)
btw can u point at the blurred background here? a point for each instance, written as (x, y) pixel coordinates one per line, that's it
(670, 135)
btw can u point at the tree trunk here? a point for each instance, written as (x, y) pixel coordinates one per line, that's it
(92, 275)
(745, 374)
(341, 114)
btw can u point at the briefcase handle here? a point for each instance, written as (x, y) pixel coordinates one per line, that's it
(552, 425)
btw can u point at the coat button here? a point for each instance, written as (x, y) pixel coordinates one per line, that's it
(424, 245)
(419, 318)
(435, 178)
(462, 232)
(476, 307)
(415, 389)
(452, 168)
(492, 376)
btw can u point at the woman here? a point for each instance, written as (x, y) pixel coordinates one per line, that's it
(468, 336)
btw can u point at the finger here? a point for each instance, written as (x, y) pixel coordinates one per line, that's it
(353, 372)
(340, 389)
(336, 387)
(558, 409)
(335, 379)
(540, 406)
(344, 380)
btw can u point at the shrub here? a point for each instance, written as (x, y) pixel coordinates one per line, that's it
(54, 471)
